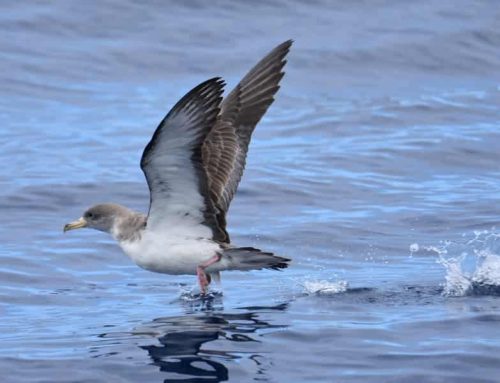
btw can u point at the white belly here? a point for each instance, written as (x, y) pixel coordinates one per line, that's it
(171, 254)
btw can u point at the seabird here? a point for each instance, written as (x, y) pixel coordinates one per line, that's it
(193, 165)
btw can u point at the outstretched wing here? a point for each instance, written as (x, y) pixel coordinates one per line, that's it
(226, 146)
(172, 164)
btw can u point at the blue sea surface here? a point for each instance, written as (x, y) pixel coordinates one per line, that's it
(377, 170)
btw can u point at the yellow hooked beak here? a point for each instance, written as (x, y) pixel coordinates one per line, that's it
(78, 224)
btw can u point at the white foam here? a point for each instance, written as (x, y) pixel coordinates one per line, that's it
(323, 287)
(458, 283)
(484, 247)
(488, 271)
(414, 247)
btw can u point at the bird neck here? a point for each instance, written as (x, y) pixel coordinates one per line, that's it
(128, 226)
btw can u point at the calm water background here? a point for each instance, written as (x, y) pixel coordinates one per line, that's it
(376, 170)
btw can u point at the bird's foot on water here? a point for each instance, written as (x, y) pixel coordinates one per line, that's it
(203, 280)
(203, 277)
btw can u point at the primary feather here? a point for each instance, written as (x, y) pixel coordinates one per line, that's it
(226, 146)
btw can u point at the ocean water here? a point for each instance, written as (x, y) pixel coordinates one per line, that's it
(377, 170)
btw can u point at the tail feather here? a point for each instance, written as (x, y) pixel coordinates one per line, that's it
(249, 258)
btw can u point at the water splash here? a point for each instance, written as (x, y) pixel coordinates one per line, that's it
(414, 248)
(472, 265)
(323, 287)
(486, 279)
(457, 281)
(191, 294)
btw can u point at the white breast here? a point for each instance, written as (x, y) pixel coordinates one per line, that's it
(172, 251)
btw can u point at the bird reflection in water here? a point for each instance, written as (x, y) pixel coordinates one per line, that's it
(183, 351)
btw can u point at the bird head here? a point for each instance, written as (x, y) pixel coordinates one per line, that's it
(101, 217)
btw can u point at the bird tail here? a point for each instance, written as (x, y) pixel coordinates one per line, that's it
(249, 258)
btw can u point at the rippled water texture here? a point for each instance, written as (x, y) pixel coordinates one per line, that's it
(376, 170)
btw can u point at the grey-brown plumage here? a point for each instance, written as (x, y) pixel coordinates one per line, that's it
(193, 165)
(109, 217)
(226, 146)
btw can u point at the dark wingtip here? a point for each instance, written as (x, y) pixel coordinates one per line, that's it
(206, 95)
(282, 50)
(285, 47)
(210, 89)
(288, 43)
(217, 81)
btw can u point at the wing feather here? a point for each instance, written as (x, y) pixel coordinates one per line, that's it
(226, 146)
(172, 164)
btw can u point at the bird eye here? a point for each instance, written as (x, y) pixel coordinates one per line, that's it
(89, 215)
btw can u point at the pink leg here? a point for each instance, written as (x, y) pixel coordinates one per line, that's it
(202, 276)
